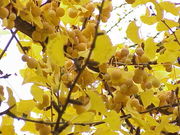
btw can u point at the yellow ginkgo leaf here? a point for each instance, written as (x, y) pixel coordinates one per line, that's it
(37, 93)
(145, 97)
(96, 102)
(169, 7)
(148, 19)
(159, 11)
(30, 75)
(84, 118)
(25, 106)
(79, 128)
(103, 49)
(105, 130)
(113, 120)
(172, 46)
(166, 125)
(30, 127)
(168, 56)
(11, 100)
(150, 48)
(132, 32)
(7, 127)
(35, 51)
(166, 24)
(55, 49)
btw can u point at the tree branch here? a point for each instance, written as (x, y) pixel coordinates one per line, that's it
(8, 44)
(82, 69)
(171, 31)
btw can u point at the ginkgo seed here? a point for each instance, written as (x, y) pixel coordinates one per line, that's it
(4, 12)
(72, 12)
(12, 16)
(130, 1)
(25, 58)
(45, 130)
(139, 51)
(60, 12)
(32, 63)
(36, 11)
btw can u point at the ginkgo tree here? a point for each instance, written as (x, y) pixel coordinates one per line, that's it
(81, 82)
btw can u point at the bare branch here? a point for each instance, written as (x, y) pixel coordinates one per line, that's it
(8, 44)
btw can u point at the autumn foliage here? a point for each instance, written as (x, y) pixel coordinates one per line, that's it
(81, 81)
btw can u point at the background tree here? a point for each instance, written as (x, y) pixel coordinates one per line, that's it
(81, 82)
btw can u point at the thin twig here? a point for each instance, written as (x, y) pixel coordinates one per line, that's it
(8, 44)
(83, 67)
(120, 19)
(171, 31)
(19, 43)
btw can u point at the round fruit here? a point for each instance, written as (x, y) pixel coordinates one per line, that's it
(25, 58)
(60, 12)
(116, 74)
(133, 90)
(144, 59)
(72, 12)
(10, 24)
(130, 1)
(81, 46)
(124, 51)
(137, 78)
(39, 126)
(4, 12)
(36, 11)
(32, 63)
(45, 130)
(134, 102)
(36, 36)
(12, 16)
(90, 7)
(52, 13)
(139, 51)
(155, 83)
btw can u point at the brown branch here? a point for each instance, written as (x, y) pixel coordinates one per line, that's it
(136, 64)
(128, 122)
(8, 44)
(24, 26)
(7, 110)
(82, 69)
(5, 76)
(160, 107)
(10, 114)
(19, 43)
(127, 116)
(171, 31)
